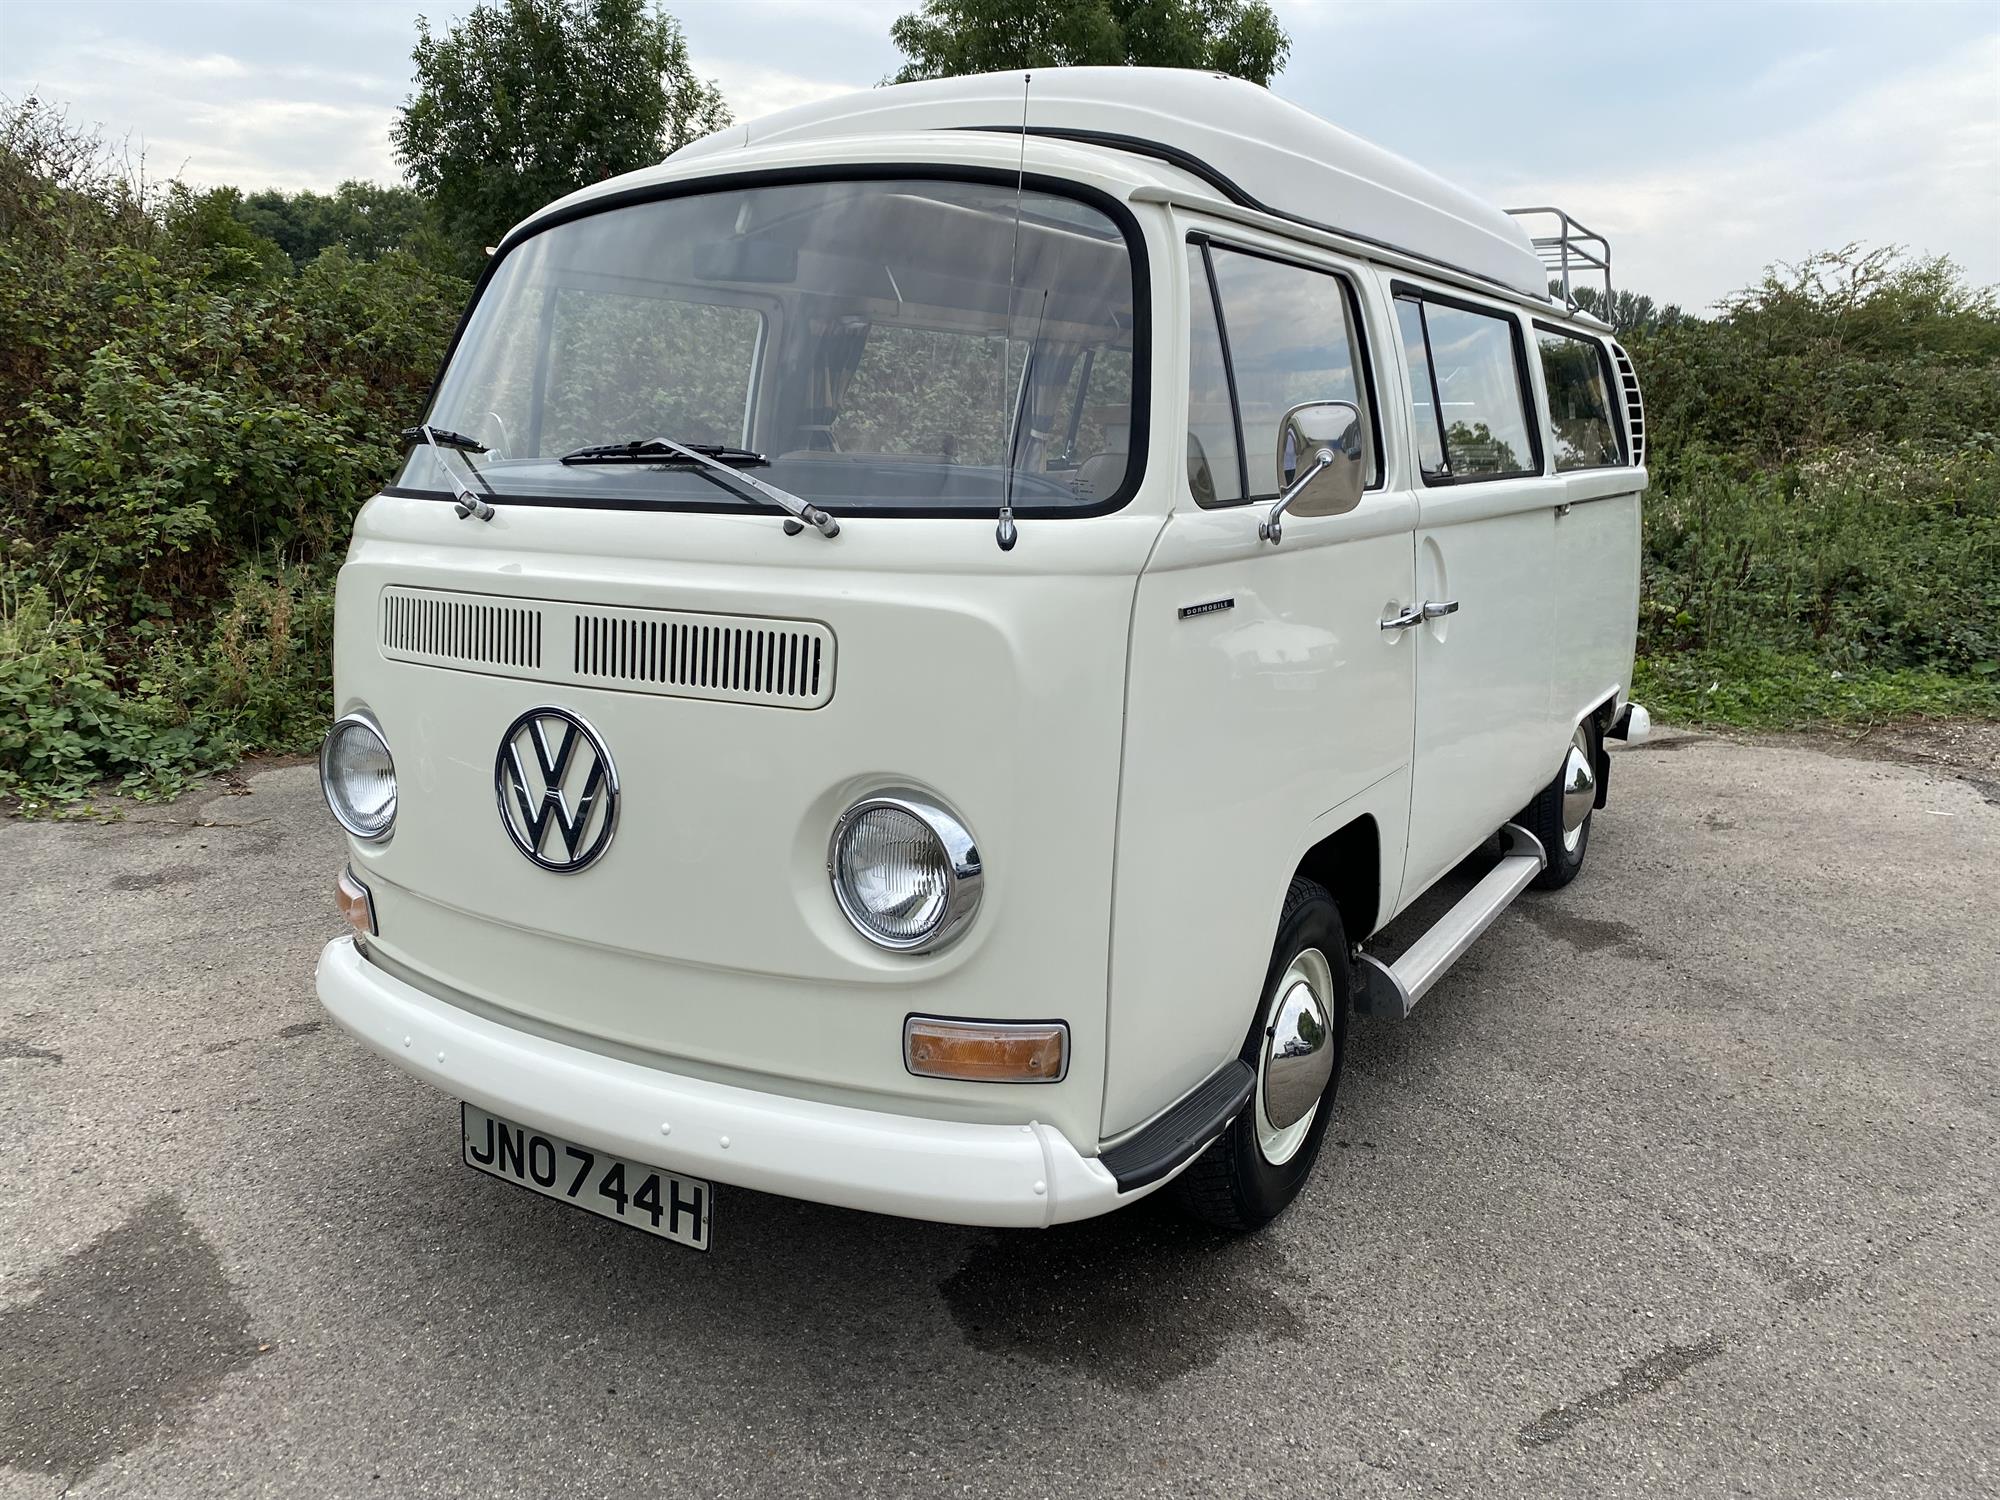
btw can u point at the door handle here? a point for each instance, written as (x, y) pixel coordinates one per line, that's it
(1412, 615)
(1435, 611)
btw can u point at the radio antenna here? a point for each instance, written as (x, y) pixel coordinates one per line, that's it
(1005, 532)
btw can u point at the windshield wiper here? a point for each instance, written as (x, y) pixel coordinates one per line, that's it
(655, 450)
(442, 437)
(443, 440)
(712, 461)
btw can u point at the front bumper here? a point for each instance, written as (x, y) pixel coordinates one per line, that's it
(1006, 1176)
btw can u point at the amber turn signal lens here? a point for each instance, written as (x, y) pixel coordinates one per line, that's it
(986, 1051)
(356, 905)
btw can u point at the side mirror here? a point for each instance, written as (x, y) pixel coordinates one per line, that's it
(1319, 464)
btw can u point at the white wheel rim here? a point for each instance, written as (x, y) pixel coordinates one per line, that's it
(1280, 1144)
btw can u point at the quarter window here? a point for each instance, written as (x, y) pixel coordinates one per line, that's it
(1579, 401)
(1215, 477)
(1430, 447)
(1283, 334)
(1476, 405)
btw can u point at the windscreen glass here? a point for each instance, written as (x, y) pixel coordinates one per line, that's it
(882, 346)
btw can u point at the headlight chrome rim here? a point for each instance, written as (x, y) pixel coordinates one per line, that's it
(965, 876)
(362, 719)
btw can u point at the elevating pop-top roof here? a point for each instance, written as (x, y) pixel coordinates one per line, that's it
(1247, 143)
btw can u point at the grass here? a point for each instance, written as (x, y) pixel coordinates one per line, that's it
(1761, 689)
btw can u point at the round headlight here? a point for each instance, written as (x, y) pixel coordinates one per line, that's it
(905, 871)
(358, 777)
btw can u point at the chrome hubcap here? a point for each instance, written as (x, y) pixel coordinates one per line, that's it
(1579, 783)
(1297, 1056)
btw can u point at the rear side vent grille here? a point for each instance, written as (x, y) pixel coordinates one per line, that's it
(1635, 407)
(783, 662)
(425, 625)
(675, 653)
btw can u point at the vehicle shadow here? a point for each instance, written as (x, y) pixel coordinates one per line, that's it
(1135, 1299)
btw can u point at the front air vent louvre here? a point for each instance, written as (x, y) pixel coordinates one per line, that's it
(707, 656)
(424, 625)
(1635, 408)
(675, 653)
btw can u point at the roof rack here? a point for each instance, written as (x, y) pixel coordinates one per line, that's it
(1571, 251)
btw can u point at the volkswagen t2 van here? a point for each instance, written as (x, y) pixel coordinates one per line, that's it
(919, 641)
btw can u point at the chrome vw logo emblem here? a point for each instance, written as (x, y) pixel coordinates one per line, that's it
(558, 790)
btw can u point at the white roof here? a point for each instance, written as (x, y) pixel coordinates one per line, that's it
(1247, 143)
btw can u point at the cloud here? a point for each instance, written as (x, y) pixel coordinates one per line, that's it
(140, 58)
(754, 90)
(1911, 161)
(1791, 71)
(232, 138)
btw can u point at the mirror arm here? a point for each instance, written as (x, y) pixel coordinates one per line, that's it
(1272, 528)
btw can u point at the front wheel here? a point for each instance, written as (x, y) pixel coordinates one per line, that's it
(1560, 814)
(1254, 1169)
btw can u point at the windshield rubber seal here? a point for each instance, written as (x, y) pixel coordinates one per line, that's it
(1120, 215)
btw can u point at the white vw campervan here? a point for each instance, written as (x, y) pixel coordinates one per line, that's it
(920, 639)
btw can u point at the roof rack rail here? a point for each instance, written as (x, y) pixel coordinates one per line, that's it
(1570, 252)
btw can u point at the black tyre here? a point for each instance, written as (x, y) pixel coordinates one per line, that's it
(1565, 841)
(1248, 1176)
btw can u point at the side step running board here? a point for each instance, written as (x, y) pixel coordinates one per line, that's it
(1392, 990)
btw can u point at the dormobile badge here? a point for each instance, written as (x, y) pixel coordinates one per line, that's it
(558, 789)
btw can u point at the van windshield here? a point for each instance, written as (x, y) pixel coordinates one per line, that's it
(888, 346)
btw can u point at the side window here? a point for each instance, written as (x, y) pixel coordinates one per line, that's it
(1579, 401)
(1477, 406)
(1290, 335)
(1215, 477)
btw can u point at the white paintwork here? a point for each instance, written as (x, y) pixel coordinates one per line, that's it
(1483, 728)
(992, 680)
(1019, 1176)
(1280, 156)
(1142, 787)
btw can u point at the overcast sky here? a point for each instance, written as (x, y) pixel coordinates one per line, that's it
(1706, 139)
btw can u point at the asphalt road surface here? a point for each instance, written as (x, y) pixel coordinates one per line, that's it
(1683, 1182)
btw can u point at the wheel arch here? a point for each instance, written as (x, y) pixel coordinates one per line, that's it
(1348, 862)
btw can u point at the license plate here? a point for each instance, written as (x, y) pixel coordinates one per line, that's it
(659, 1202)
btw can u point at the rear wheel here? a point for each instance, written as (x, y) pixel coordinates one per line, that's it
(1248, 1176)
(1560, 815)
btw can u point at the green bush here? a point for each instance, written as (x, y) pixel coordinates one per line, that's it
(67, 724)
(1822, 537)
(187, 425)
(1853, 557)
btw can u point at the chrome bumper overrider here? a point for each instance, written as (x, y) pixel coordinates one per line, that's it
(1022, 1176)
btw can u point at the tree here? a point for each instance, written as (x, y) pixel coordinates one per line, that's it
(1628, 313)
(365, 218)
(947, 38)
(526, 100)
